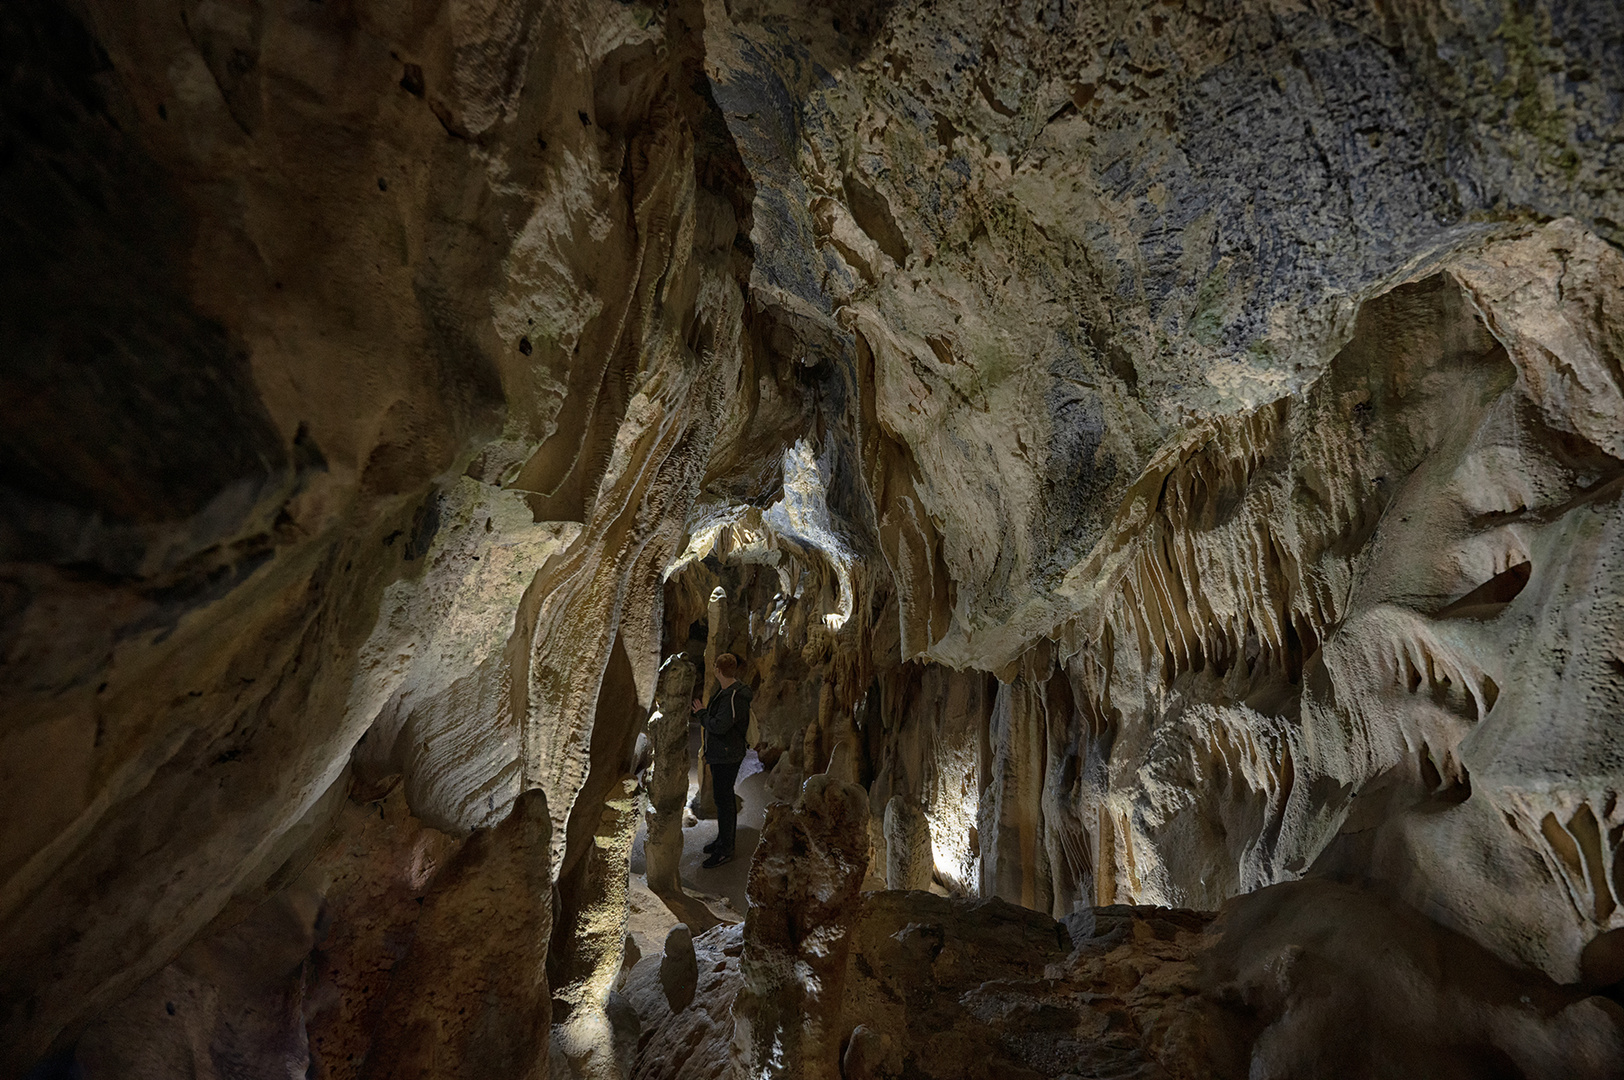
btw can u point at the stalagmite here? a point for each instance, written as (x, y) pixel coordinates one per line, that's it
(583, 966)
(679, 971)
(803, 896)
(668, 794)
(909, 858)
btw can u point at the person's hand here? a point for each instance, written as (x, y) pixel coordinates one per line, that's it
(697, 705)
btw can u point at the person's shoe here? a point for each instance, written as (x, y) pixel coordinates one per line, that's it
(710, 847)
(717, 859)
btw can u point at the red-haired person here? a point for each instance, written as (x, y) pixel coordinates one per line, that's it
(726, 720)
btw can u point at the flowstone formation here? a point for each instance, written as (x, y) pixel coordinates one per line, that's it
(1160, 466)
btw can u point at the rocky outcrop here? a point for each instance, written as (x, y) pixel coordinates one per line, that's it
(233, 1002)
(1099, 223)
(1273, 642)
(1343, 983)
(695, 1042)
(349, 263)
(910, 861)
(679, 969)
(667, 796)
(1305, 979)
(454, 1006)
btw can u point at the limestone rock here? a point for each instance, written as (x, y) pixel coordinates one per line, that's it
(1147, 455)
(341, 264)
(374, 872)
(803, 892)
(586, 952)
(694, 1044)
(667, 792)
(679, 970)
(1344, 983)
(452, 1009)
(1090, 201)
(239, 996)
(870, 1055)
(1294, 980)
(909, 858)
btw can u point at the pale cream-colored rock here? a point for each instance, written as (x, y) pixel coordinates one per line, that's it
(667, 797)
(909, 859)
(434, 671)
(1053, 237)
(1391, 602)
(587, 952)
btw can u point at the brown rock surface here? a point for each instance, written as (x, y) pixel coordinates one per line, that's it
(679, 970)
(1305, 979)
(456, 1005)
(804, 885)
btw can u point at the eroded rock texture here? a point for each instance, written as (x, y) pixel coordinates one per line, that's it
(1305, 979)
(350, 263)
(1146, 457)
(804, 886)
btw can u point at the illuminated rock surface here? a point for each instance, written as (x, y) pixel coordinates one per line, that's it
(1158, 464)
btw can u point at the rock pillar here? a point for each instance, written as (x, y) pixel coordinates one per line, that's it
(909, 860)
(804, 898)
(667, 788)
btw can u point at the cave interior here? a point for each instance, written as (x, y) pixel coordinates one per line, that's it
(1157, 468)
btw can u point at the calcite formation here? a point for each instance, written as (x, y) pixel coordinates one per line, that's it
(804, 885)
(1159, 465)
(1302, 979)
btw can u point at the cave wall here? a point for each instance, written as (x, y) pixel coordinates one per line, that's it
(1062, 231)
(353, 356)
(1318, 623)
(1215, 371)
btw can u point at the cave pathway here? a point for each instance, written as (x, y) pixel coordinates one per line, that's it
(721, 888)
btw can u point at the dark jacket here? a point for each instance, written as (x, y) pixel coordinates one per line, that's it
(726, 719)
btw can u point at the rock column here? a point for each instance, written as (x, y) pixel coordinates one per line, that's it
(717, 633)
(804, 899)
(667, 788)
(908, 856)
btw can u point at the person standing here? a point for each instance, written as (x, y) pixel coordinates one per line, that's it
(725, 720)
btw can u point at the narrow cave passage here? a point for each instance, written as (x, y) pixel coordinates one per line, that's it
(1156, 470)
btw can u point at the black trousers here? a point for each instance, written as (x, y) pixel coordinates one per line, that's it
(723, 776)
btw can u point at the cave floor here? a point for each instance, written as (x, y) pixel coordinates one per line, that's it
(721, 888)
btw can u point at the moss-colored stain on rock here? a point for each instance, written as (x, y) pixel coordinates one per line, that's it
(1206, 322)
